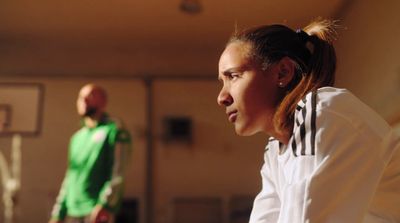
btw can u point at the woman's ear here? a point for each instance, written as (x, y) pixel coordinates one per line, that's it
(286, 70)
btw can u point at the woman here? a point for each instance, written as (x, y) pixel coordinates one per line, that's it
(330, 158)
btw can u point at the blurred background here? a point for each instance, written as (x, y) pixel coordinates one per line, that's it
(158, 61)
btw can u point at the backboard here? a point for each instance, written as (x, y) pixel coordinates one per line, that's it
(21, 108)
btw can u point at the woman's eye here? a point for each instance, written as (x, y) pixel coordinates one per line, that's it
(233, 76)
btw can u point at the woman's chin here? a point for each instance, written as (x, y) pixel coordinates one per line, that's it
(244, 131)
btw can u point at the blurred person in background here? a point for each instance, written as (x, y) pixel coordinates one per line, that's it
(93, 185)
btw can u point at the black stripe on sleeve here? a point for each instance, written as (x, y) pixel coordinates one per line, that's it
(294, 146)
(297, 122)
(303, 132)
(313, 120)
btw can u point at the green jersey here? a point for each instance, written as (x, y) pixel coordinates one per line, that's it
(95, 170)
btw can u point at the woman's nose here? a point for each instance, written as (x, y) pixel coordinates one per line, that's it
(224, 98)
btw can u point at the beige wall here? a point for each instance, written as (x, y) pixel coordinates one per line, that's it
(217, 164)
(369, 54)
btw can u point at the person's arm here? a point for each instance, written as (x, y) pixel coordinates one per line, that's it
(266, 206)
(111, 193)
(338, 181)
(60, 209)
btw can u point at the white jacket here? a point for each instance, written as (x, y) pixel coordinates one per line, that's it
(342, 164)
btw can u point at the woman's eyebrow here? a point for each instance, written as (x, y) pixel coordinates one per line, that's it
(234, 69)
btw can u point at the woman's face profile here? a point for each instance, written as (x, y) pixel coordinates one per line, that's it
(249, 94)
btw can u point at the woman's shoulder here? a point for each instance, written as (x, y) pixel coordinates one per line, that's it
(330, 96)
(334, 99)
(341, 103)
(326, 97)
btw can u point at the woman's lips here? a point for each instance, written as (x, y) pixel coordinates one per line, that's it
(232, 116)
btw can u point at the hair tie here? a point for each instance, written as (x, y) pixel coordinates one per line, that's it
(305, 39)
(303, 36)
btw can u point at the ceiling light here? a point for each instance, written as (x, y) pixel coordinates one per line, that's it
(191, 6)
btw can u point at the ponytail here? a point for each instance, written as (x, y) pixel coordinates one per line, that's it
(317, 37)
